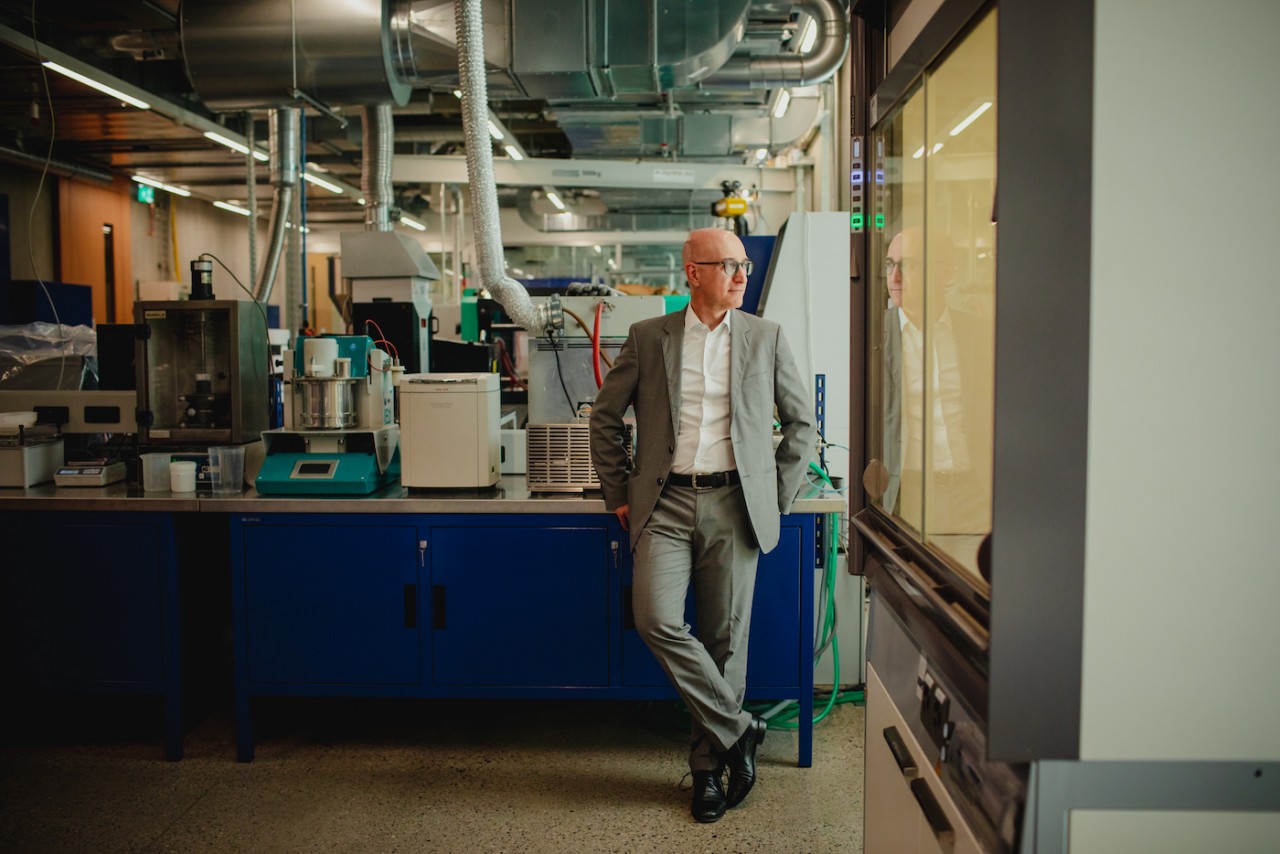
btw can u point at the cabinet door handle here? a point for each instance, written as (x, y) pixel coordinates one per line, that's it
(438, 606)
(933, 813)
(901, 753)
(411, 606)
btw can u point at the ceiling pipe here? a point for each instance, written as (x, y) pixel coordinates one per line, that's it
(284, 178)
(820, 63)
(61, 168)
(484, 193)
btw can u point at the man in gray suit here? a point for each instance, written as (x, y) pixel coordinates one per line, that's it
(702, 497)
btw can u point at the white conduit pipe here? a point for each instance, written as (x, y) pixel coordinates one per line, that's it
(375, 179)
(284, 176)
(484, 192)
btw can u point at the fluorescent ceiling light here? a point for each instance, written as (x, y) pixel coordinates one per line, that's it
(320, 182)
(919, 152)
(555, 200)
(780, 106)
(360, 201)
(457, 93)
(596, 247)
(513, 152)
(762, 153)
(316, 166)
(494, 131)
(613, 265)
(235, 146)
(101, 87)
(808, 35)
(227, 206)
(971, 118)
(306, 229)
(168, 188)
(412, 223)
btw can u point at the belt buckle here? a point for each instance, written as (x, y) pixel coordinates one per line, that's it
(694, 482)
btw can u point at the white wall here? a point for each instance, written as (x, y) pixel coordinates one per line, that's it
(1182, 573)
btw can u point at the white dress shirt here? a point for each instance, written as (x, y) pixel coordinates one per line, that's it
(703, 443)
(949, 446)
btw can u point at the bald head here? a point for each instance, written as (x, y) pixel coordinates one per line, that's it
(712, 291)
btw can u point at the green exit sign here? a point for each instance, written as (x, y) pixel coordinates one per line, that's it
(146, 195)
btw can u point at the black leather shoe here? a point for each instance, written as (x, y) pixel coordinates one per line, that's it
(741, 759)
(708, 797)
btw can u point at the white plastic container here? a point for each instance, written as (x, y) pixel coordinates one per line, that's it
(182, 476)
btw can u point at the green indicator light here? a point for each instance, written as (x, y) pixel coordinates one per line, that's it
(855, 222)
(146, 194)
(879, 222)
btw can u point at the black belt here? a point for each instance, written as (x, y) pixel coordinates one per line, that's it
(711, 480)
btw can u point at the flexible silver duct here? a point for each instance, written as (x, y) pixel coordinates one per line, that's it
(284, 177)
(484, 192)
(822, 60)
(377, 136)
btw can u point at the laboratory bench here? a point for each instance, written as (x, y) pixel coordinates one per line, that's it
(487, 593)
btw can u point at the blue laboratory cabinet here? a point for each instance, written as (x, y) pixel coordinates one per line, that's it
(89, 603)
(477, 605)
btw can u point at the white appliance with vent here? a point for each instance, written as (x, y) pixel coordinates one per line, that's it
(449, 434)
(558, 457)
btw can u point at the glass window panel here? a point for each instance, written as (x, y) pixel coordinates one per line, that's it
(931, 320)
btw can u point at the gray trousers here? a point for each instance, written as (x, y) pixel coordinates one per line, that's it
(701, 537)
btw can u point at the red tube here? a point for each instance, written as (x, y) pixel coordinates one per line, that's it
(595, 345)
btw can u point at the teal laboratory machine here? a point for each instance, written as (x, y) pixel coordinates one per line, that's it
(340, 435)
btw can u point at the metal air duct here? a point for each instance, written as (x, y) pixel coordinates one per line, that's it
(484, 194)
(241, 54)
(815, 66)
(377, 138)
(284, 177)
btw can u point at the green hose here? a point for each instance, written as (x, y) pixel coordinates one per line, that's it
(785, 719)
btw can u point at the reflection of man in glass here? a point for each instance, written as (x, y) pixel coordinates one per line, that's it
(924, 413)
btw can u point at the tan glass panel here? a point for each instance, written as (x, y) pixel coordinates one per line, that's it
(931, 318)
(900, 210)
(959, 316)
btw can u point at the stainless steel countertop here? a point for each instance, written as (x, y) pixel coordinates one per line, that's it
(510, 495)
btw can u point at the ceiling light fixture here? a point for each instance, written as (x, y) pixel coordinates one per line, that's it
(227, 206)
(457, 93)
(971, 118)
(555, 200)
(412, 223)
(235, 146)
(784, 101)
(762, 153)
(808, 35)
(94, 84)
(513, 152)
(494, 131)
(320, 182)
(168, 188)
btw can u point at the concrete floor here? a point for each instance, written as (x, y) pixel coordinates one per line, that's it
(407, 776)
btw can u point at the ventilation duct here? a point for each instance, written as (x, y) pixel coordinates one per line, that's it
(377, 139)
(818, 64)
(241, 54)
(484, 194)
(284, 178)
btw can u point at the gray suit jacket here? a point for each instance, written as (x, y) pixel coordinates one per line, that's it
(646, 374)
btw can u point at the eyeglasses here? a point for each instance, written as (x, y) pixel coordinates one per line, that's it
(903, 265)
(729, 266)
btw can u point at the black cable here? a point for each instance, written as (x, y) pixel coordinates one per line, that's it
(31, 214)
(266, 324)
(560, 372)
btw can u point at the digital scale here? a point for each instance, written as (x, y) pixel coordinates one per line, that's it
(92, 473)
